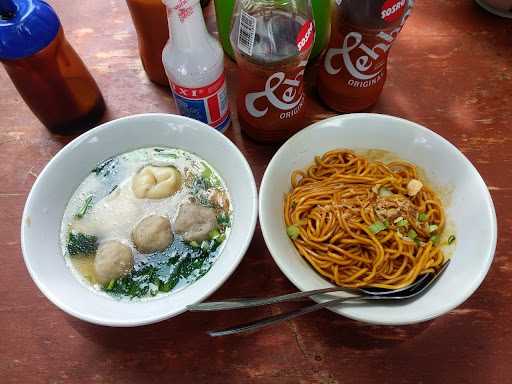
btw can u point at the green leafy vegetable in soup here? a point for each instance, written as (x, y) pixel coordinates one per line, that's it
(136, 235)
(81, 244)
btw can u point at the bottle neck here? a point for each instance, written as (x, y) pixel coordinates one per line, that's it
(186, 23)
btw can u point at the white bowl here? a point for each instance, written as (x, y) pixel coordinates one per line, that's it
(470, 209)
(501, 8)
(62, 175)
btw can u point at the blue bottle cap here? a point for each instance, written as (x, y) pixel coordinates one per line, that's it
(26, 27)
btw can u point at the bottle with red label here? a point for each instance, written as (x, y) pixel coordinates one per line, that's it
(353, 71)
(272, 41)
(194, 63)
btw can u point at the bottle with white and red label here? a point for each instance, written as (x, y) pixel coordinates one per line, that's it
(272, 40)
(194, 63)
(353, 71)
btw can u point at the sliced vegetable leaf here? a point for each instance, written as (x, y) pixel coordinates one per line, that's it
(85, 207)
(194, 244)
(81, 243)
(162, 153)
(293, 231)
(451, 239)
(104, 168)
(223, 220)
(377, 227)
(422, 216)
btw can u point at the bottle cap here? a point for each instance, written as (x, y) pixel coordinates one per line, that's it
(26, 27)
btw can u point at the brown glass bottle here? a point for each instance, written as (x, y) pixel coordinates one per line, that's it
(150, 20)
(57, 87)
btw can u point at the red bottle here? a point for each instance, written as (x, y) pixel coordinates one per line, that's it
(354, 66)
(272, 43)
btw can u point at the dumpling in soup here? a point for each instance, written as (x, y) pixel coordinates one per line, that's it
(154, 182)
(113, 260)
(152, 234)
(195, 222)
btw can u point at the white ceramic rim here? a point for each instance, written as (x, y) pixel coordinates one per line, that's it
(130, 323)
(266, 235)
(494, 11)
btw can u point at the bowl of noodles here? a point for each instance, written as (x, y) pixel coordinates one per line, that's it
(375, 201)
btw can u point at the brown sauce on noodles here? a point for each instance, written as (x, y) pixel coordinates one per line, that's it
(361, 222)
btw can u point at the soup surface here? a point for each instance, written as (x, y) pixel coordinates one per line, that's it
(146, 222)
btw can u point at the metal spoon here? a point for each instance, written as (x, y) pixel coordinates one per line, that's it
(244, 302)
(415, 289)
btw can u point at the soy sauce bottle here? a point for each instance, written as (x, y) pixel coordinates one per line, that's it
(47, 72)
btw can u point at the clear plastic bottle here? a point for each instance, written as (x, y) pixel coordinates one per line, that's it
(272, 41)
(194, 63)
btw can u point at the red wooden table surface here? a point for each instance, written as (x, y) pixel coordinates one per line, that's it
(451, 70)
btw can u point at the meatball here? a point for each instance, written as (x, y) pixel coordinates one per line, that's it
(194, 222)
(156, 182)
(152, 234)
(113, 259)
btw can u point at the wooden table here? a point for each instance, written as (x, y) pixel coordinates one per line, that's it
(451, 70)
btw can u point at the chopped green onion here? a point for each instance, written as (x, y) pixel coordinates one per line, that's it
(110, 285)
(194, 244)
(432, 228)
(377, 227)
(398, 219)
(214, 233)
(293, 231)
(403, 223)
(434, 239)
(210, 177)
(412, 234)
(422, 216)
(383, 192)
(85, 207)
(206, 245)
(451, 239)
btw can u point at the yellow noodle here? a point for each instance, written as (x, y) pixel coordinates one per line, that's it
(334, 204)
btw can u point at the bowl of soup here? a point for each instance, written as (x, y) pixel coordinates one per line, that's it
(138, 218)
(375, 202)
